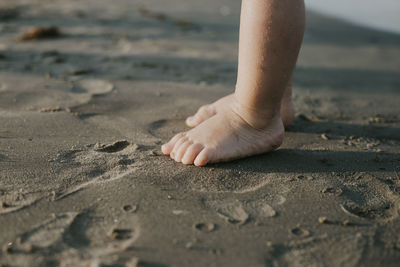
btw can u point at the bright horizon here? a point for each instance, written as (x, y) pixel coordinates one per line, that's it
(378, 14)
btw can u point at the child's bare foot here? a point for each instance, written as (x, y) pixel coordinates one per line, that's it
(207, 111)
(230, 134)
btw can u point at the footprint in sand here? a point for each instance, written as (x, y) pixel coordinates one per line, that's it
(94, 87)
(97, 164)
(54, 95)
(13, 201)
(260, 209)
(239, 212)
(231, 211)
(84, 90)
(49, 232)
(347, 250)
(111, 148)
(370, 198)
(119, 238)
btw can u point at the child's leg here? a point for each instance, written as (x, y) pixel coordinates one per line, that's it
(270, 36)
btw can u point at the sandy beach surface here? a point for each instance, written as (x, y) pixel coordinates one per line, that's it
(85, 106)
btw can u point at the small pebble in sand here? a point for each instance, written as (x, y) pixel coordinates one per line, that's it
(204, 227)
(36, 33)
(189, 245)
(310, 117)
(155, 153)
(324, 136)
(29, 248)
(7, 248)
(309, 178)
(130, 208)
(178, 212)
(346, 223)
(323, 220)
(376, 119)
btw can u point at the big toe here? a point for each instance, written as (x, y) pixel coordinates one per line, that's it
(201, 115)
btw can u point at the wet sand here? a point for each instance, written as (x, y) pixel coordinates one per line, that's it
(84, 110)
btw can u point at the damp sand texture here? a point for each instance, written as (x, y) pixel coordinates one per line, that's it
(89, 92)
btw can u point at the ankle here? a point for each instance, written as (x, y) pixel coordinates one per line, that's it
(256, 117)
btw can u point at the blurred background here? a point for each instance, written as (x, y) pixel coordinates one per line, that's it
(381, 14)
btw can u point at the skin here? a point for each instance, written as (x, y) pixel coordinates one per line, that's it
(207, 111)
(250, 121)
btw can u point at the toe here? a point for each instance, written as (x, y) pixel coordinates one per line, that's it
(181, 150)
(177, 146)
(203, 157)
(191, 153)
(201, 115)
(167, 148)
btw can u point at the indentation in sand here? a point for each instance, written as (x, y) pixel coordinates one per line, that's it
(379, 210)
(362, 200)
(118, 238)
(260, 209)
(231, 211)
(204, 227)
(344, 250)
(94, 87)
(111, 148)
(98, 164)
(123, 235)
(14, 201)
(50, 231)
(299, 231)
(239, 212)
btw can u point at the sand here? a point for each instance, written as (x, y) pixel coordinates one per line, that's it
(83, 114)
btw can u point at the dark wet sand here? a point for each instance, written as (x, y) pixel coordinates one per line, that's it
(83, 114)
